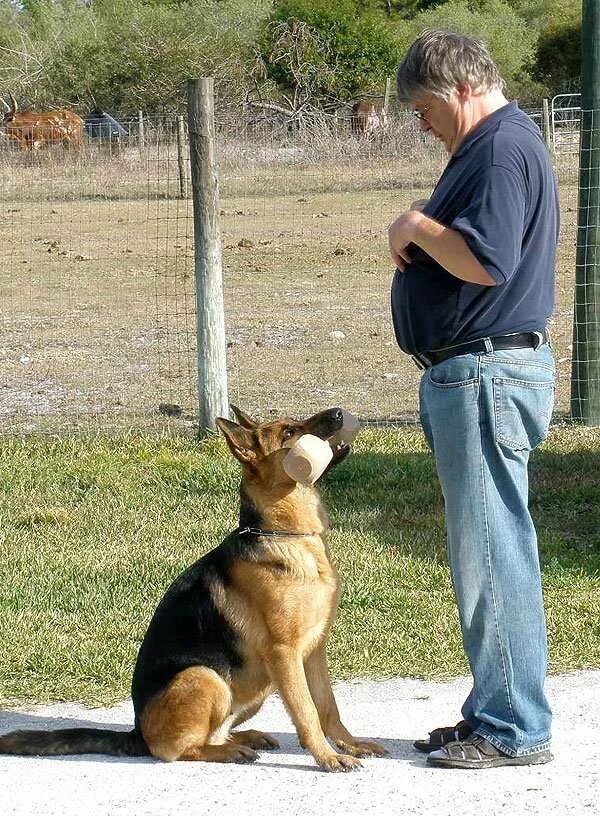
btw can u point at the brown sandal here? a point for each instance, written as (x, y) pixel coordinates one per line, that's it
(441, 736)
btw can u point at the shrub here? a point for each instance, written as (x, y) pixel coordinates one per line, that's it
(126, 54)
(358, 50)
(510, 39)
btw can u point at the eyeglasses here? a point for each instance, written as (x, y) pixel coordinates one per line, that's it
(421, 114)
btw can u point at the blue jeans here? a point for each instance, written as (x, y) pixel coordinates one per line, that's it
(482, 415)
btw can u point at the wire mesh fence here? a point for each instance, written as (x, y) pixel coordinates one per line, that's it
(97, 285)
(97, 275)
(585, 384)
(325, 274)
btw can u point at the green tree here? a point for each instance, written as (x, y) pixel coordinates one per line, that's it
(539, 12)
(358, 50)
(128, 54)
(402, 8)
(558, 57)
(9, 25)
(511, 41)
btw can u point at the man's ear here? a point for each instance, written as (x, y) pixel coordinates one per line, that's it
(241, 441)
(464, 91)
(244, 420)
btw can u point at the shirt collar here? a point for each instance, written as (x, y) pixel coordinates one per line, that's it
(485, 126)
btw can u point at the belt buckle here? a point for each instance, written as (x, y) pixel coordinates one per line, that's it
(421, 361)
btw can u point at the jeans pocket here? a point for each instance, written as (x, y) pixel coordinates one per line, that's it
(455, 372)
(522, 411)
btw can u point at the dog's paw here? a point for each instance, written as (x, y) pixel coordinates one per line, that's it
(254, 739)
(363, 748)
(339, 763)
(241, 753)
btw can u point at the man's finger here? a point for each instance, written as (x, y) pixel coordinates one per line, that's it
(400, 261)
(400, 254)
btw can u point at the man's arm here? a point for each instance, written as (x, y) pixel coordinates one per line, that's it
(444, 245)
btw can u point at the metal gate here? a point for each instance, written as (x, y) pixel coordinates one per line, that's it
(565, 121)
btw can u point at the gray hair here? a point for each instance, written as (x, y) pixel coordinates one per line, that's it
(439, 61)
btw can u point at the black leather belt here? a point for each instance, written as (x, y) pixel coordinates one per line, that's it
(534, 340)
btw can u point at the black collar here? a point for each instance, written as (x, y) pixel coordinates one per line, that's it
(259, 532)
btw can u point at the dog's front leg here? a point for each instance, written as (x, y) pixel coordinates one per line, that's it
(319, 683)
(287, 670)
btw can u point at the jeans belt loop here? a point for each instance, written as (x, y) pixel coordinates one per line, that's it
(421, 361)
(489, 346)
(540, 339)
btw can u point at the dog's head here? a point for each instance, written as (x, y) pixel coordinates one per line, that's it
(262, 447)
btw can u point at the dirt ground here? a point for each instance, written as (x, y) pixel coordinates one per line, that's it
(98, 322)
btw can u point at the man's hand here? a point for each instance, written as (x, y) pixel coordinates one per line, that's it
(444, 245)
(400, 235)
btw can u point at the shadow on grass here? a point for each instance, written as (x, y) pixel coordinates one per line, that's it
(396, 497)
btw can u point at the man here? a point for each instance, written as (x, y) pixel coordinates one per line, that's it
(471, 296)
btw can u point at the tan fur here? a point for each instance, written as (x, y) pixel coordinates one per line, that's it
(189, 714)
(31, 130)
(281, 603)
(368, 118)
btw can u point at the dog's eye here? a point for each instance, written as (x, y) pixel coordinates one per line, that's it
(287, 433)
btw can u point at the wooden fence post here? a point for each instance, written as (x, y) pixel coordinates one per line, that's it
(141, 134)
(210, 320)
(546, 130)
(180, 158)
(388, 90)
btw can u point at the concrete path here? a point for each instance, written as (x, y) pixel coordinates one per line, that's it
(287, 781)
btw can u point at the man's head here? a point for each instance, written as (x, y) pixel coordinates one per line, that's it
(451, 82)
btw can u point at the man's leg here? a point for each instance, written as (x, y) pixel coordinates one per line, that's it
(491, 540)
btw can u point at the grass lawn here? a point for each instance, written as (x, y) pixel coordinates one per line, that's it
(92, 530)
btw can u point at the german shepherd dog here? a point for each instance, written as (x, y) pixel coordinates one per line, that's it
(249, 618)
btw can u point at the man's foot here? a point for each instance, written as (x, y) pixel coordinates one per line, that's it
(476, 752)
(442, 736)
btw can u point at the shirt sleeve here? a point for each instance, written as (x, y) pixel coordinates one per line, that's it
(493, 223)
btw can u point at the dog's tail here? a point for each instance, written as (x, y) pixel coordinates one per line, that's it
(74, 741)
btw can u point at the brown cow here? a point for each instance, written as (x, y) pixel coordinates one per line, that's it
(368, 118)
(31, 130)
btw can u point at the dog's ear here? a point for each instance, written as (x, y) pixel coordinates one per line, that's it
(241, 441)
(244, 420)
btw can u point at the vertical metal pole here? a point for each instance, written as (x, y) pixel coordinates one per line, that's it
(546, 132)
(141, 135)
(585, 372)
(210, 320)
(180, 159)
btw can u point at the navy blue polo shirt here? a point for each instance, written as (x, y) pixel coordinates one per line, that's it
(499, 191)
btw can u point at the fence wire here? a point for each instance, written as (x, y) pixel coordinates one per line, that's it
(97, 324)
(585, 383)
(97, 273)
